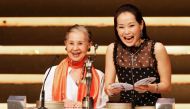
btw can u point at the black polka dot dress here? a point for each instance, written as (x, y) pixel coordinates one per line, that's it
(133, 64)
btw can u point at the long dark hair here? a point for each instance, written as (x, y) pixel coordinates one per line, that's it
(138, 16)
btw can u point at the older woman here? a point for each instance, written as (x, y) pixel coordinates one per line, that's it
(64, 82)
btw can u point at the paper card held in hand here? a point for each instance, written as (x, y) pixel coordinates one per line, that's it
(127, 86)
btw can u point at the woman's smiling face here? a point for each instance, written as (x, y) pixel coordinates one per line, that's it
(129, 30)
(77, 44)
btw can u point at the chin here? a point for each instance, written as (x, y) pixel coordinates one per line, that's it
(129, 44)
(76, 59)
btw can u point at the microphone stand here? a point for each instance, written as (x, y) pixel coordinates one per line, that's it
(43, 91)
(43, 100)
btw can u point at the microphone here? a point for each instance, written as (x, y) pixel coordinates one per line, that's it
(43, 91)
(95, 48)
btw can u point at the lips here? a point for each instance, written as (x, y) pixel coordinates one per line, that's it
(76, 54)
(129, 38)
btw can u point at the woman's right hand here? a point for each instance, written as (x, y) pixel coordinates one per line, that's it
(113, 90)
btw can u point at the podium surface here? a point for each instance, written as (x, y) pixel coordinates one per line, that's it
(32, 106)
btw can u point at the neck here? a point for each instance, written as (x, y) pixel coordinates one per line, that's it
(139, 43)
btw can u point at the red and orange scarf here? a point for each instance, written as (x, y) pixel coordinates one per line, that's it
(60, 79)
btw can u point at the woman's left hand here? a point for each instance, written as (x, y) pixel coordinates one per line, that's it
(142, 88)
(150, 87)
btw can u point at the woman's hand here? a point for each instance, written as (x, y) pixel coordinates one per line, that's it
(142, 88)
(113, 90)
(72, 104)
(150, 87)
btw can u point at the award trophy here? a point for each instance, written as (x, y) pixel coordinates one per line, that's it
(88, 102)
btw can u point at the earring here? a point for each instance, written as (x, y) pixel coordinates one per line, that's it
(88, 49)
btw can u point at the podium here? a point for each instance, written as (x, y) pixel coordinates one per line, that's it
(165, 103)
(126, 106)
(119, 106)
(52, 105)
(16, 102)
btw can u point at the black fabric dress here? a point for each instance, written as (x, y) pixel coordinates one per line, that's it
(133, 64)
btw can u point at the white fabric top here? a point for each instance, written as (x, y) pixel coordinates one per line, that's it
(72, 88)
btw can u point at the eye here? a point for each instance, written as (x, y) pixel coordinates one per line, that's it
(131, 25)
(80, 43)
(120, 27)
(70, 43)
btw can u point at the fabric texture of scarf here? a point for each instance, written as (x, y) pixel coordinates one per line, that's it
(60, 79)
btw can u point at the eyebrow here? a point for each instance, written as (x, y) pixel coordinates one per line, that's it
(75, 41)
(127, 23)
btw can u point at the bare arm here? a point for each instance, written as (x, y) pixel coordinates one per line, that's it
(110, 72)
(164, 68)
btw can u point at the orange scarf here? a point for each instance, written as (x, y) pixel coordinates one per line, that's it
(60, 79)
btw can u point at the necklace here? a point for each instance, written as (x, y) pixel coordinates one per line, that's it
(132, 74)
(132, 57)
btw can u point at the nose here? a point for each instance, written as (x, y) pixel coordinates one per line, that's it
(126, 31)
(75, 47)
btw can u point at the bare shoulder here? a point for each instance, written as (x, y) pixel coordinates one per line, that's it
(160, 51)
(159, 48)
(110, 47)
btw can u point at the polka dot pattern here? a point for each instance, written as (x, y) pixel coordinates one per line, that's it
(133, 64)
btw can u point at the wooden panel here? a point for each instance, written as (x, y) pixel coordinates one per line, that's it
(101, 35)
(88, 21)
(57, 50)
(178, 79)
(92, 8)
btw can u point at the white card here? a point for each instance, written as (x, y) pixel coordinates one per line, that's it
(145, 81)
(127, 86)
